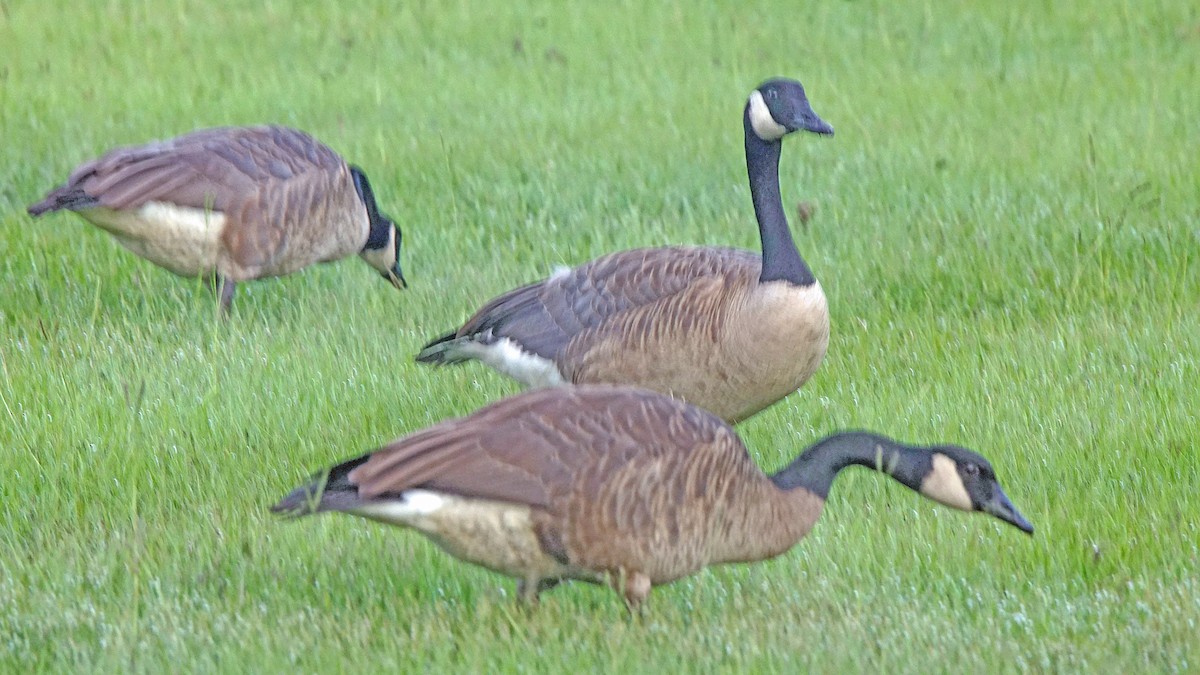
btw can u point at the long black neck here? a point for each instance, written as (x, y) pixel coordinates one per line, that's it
(780, 259)
(378, 231)
(815, 469)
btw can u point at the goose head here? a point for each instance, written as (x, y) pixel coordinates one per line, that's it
(962, 479)
(947, 474)
(382, 250)
(779, 107)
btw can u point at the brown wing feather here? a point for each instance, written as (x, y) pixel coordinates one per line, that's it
(538, 447)
(698, 311)
(544, 317)
(210, 168)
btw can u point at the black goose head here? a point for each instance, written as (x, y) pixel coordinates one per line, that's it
(964, 480)
(382, 250)
(779, 107)
(948, 474)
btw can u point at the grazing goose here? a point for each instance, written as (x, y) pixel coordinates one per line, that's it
(618, 485)
(233, 203)
(725, 329)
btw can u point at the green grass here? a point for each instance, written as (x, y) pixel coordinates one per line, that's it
(1007, 225)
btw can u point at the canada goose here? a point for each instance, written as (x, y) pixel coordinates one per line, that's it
(725, 329)
(236, 203)
(618, 485)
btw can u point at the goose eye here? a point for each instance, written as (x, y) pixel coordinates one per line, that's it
(971, 469)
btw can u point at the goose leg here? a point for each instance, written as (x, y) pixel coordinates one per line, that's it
(635, 587)
(228, 287)
(529, 589)
(225, 288)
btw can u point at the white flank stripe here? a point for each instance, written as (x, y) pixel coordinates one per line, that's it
(181, 239)
(415, 503)
(507, 357)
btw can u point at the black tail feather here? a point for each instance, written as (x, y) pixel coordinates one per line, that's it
(57, 200)
(434, 352)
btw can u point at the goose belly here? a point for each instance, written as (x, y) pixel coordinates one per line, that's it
(495, 535)
(181, 239)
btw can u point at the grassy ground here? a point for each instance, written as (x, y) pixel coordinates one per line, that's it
(1007, 224)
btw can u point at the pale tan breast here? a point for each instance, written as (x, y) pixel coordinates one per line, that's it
(774, 342)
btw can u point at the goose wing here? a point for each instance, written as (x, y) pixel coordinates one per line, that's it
(213, 169)
(543, 317)
(546, 448)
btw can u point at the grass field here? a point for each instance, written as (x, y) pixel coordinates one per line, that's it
(1007, 225)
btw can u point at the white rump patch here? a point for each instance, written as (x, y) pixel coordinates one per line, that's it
(507, 357)
(944, 485)
(179, 238)
(761, 120)
(414, 504)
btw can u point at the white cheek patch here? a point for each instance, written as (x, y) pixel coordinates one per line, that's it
(761, 121)
(381, 259)
(944, 485)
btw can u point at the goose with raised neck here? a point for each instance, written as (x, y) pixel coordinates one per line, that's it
(726, 329)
